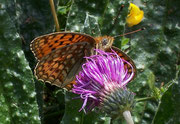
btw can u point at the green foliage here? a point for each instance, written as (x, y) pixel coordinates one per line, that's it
(168, 111)
(155, 51)
(17, 92)
(73, 116)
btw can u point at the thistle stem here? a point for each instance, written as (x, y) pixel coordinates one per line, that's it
(51, 2)
(128, 117)
(144, 99)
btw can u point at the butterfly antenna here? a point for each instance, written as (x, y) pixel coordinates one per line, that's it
(116, 18)
(132, 32)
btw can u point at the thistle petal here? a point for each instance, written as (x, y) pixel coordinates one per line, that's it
(100, 76)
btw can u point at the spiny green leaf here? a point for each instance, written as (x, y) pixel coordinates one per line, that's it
(18, 96)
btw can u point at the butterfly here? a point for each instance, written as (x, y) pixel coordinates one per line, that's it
(61, 54)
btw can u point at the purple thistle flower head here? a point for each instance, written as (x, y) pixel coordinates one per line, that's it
(100, 76)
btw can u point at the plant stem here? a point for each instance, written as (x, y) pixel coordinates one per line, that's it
(128, 117)
(54, 15)
(144, 99)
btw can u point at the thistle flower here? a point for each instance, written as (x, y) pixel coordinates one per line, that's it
(102, 83)
(135, 15)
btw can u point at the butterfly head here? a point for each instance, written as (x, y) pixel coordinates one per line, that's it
(104, 42)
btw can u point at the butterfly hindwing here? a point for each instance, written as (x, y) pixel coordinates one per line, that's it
(43, 45)
(61, 65)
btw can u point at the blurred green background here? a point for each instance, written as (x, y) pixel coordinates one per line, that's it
(155, 51)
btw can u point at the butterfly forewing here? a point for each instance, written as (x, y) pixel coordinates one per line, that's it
(60, 66)
(43, 45)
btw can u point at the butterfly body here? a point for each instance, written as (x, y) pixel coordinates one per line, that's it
(61, 54)
(104, 42)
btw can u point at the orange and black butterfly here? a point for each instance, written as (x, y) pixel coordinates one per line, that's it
(61, 54)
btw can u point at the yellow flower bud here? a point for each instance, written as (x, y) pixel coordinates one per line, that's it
(135, 15)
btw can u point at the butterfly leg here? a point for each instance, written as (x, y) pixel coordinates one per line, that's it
(97, 46)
